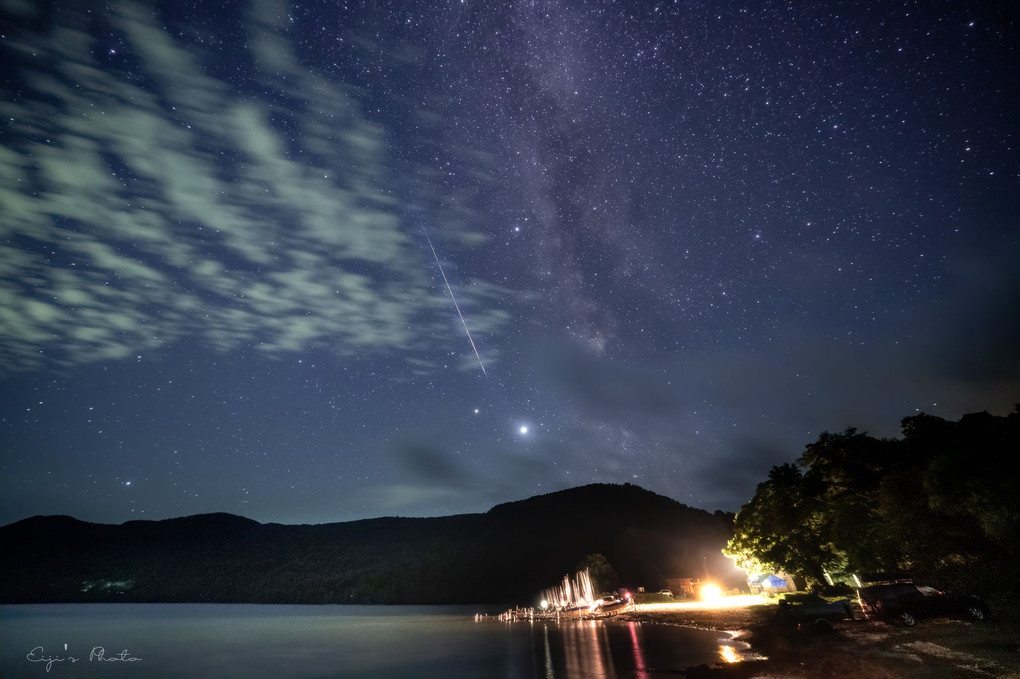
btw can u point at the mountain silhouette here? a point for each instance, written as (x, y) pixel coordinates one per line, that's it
(506, 555)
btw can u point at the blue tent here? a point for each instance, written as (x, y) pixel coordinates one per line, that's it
(768, 582)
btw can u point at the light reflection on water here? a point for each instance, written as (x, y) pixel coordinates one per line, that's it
(640, 667)
(728, 654)
(335, 642)
(617, 650)
(586, 646)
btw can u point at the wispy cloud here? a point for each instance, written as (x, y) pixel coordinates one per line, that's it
(138, 214)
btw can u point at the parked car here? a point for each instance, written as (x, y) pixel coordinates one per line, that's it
(907, 603)
(665, 592)
(813, 612)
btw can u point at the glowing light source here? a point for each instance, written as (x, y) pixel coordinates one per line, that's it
(710, 592)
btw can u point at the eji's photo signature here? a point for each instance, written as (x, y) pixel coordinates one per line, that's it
(97, 654)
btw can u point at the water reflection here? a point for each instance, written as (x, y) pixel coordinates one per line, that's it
(213, 641)
(585, 651)
(729, 654)
(733, 651)
(593, 649)
(640, 667)
(549, 672)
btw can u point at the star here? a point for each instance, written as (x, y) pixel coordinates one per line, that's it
(280, 305)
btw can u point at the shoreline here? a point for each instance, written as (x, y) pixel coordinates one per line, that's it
(942, 648)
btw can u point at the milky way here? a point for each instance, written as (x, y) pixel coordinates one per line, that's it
(689, 237)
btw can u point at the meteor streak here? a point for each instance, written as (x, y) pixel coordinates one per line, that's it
(455, 305)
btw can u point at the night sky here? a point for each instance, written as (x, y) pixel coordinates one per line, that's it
(321, 261)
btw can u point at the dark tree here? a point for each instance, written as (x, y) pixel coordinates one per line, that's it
(845, 470)
(943, 502)
(603, 576)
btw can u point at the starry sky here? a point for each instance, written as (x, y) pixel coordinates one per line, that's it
(324, 260)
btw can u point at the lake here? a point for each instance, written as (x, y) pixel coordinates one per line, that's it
(217, 641)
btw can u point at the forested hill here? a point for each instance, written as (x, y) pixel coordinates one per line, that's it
(506, 555)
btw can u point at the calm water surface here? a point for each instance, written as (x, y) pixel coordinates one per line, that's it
(219, 641)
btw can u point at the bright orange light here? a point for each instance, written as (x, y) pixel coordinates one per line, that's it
(729, 654)
(710, 592)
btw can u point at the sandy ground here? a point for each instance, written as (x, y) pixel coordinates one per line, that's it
(933, 649)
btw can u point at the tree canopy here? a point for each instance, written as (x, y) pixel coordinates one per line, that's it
(942, 502)
(603, 575)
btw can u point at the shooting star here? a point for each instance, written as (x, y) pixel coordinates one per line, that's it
(455, 305)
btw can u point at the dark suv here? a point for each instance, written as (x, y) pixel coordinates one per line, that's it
(907, 602)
